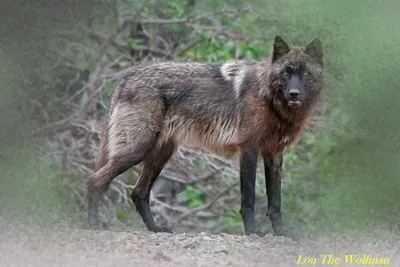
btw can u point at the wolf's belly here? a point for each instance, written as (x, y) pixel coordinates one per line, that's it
(216, 136)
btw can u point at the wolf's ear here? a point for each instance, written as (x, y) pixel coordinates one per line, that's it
(314, 49)
(280, 48)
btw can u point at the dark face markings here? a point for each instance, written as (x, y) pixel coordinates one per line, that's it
(294, 80)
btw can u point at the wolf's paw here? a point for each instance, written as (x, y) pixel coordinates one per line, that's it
(256, 232)
(261, 233)
(163, 229)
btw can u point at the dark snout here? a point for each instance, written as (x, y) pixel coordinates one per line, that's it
(293, 98)
(294, 91)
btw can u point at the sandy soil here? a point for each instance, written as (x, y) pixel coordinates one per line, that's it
(26, 246)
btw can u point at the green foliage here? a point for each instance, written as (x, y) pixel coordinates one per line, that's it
(232, 219)
(121, 214)
(193, 196)
(133, 43)
(176, 8)
(214, 50)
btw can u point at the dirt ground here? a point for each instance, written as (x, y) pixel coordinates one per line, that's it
(27, 246)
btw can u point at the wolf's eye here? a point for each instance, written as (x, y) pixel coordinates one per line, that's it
(285, 73)
(305, 73)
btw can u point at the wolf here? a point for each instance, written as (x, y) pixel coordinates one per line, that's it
(240, 106)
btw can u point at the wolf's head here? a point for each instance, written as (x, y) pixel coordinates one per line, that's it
(296, 73)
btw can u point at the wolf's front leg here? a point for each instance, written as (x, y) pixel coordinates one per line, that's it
(273, 177)
(248, 166)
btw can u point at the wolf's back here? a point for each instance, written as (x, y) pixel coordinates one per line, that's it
(174, 80)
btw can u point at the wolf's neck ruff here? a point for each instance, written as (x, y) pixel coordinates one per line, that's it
(275, 111)
(282, 112)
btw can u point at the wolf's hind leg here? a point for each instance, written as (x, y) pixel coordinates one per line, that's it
(100, 180)
(132, 134)
(152, 166)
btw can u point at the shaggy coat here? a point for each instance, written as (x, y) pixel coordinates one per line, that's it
(246, 107)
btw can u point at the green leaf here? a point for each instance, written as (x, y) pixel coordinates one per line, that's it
(121, 214)
(193, 197)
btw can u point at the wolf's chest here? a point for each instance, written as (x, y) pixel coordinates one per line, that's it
(280, 137)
